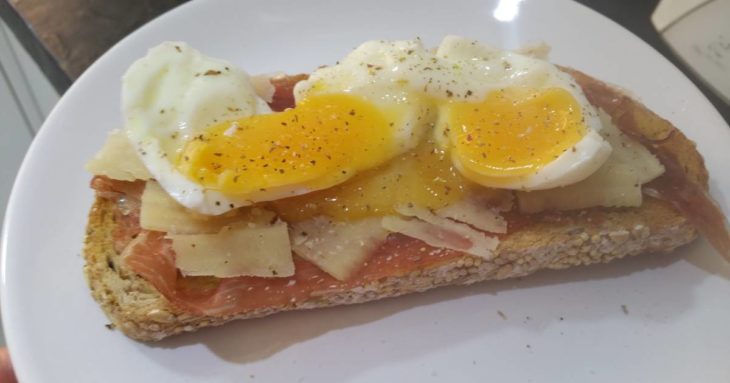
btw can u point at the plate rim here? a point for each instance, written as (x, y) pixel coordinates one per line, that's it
(13, 338)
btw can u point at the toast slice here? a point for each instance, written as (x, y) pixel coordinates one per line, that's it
(552, 242)
(544, 241)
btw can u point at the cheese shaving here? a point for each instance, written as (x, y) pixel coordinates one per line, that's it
(338, 248)
(436, 236)
(441, 232)
(118, 160)
(160, 212)
(235, 251)
(476, 214)
(263, 87)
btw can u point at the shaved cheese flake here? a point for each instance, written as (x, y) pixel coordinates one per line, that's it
(476, 214)
(118, 160)
(338, 248)
(612, 185)
(475, 243)
(630, 152)
(235, 251)
(423, 214)
(263, 87)
(160, 212)
(441, 232)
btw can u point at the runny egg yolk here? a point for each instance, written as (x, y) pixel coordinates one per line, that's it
(513, 132)
(423, 176)
(325, 140)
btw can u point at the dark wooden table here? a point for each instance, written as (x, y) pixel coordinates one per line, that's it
(66, 36)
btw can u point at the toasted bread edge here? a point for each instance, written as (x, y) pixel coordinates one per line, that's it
(136, 308)
(549, 242)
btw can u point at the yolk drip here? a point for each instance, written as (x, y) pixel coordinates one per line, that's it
(514, 132)
(424, 176)
(325, 140)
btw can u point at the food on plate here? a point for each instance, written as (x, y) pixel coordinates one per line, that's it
(396, 170)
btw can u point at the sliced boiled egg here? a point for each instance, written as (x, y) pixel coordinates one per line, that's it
(505, 121)
(213, 144)
(516, 122)
(377, 72)
(172, 95)
(322, 142)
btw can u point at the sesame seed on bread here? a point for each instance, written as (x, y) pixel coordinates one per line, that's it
(546, 241)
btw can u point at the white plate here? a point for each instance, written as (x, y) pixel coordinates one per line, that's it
(559, 326)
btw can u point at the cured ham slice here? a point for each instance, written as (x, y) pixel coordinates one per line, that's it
(151, 256)
(684, 183)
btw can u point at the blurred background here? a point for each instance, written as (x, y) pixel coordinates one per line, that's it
(46, 45)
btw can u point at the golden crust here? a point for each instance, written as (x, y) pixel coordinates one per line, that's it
(548, 242)
(553, 242)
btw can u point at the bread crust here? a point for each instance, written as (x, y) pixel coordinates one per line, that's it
(548, 241)
(553, 242)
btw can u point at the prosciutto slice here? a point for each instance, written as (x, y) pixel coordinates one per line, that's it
(685, 182)
(150, 255)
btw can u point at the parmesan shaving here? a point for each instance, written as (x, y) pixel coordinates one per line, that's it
(613, 185)
(263, 87)
(338, 248)
(436, 236)
(441, 232)
(476, 214)
(118, 160)
(630, 152)
(160, 212)
(235, 251)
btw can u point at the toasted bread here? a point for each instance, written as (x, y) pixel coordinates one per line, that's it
(546, 241)
(135, 307)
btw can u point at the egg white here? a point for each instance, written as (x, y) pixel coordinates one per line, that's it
(407, 74)
(175, 92)
(377, 71)
(171, 95)
(476, 69)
